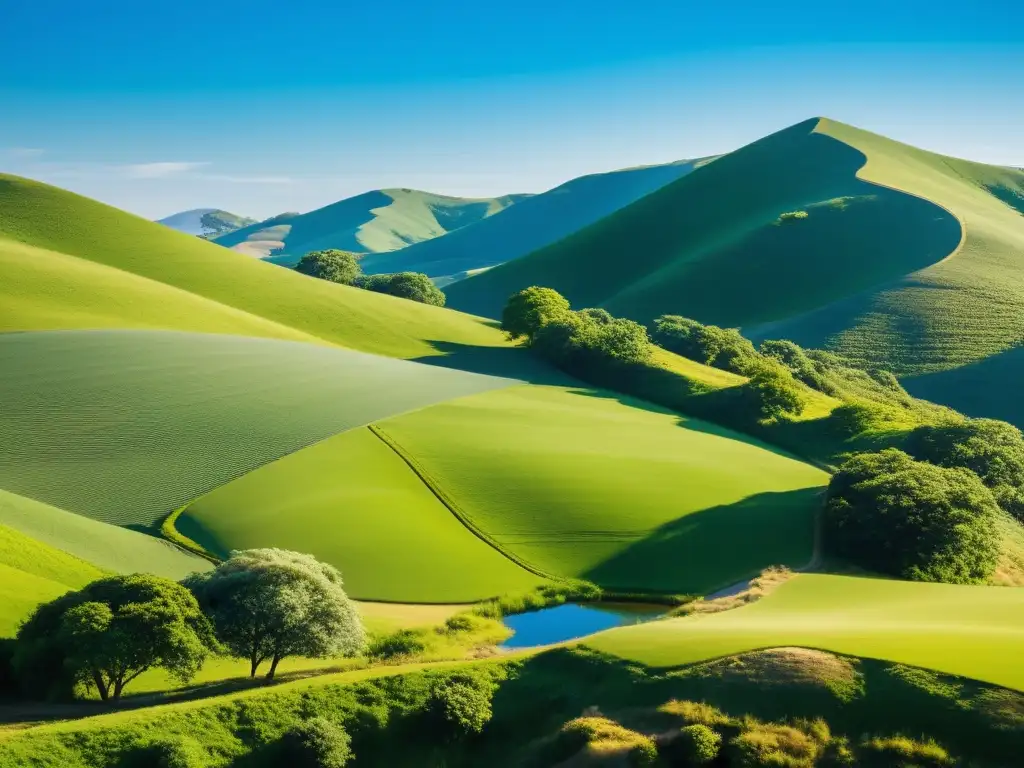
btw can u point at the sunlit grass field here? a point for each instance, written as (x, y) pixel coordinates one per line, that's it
(351, 501)
(577, 483)
(126, 426)
(971, 631)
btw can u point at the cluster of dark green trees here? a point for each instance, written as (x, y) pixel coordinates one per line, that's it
(343, 267)
(261, 605)
(925, 507)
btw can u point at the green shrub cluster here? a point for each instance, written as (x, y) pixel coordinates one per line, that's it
(400, 644)
(889, 513)
(343, 267)
(316, 743)
(462, 702)
(171, 752)
(724, 348)
(698, 744)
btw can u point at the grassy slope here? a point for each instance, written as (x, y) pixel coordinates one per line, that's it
(62, 283)
(382, 220)
(531, 223)
(151, 420)
(106, 546)
(580, 484)
(352, 502)
(866, 272)
(31, 573)
(974, 632)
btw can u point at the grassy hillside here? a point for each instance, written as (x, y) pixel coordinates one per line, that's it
(351, 501)
(150, 420)
(71, 262)
(822, 233)
(206, 222)
(961, 630)
(106, 546)
(577, 483)
(31, 573)
(531, 223)
(382, 220)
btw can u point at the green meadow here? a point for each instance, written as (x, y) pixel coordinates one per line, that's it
(973, 632)
(580, 483)
(148, 421)
(351, 501)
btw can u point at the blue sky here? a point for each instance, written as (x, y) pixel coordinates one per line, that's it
(262, 107)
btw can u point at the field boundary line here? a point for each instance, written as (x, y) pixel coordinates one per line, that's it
(442, 496)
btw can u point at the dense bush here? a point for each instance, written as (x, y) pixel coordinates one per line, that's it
(171, 752)
(531, 308)
(903, 752)
(110, 632)
(403, 642)
(462, 702)
(406, 285)
(724, 348)
(642, 754)
(993, 450)
(773, 390)
(803, 367)
(580, 340)
(333, 265)
(316, 743)
(698, 744)
(889, 513)
(764, 745)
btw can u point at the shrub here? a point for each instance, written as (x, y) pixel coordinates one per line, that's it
(993, 450)
(404, 642)
(316, 743)
(902, 752)
(591, 339)
(698, 744)
(414, 286)
(724, 348)
(333, 265)
(642, 754)
(531, 308)
(790, 216)
(773, 391)
(172, 752)
(799, 363)
(460, 622)
(766, 744)
(889, 513)
(463, 702)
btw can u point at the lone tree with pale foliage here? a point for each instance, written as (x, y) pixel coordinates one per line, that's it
(267, 604)
(334, 265)
(110, 632)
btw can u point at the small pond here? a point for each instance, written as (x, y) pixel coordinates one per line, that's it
(572, 620)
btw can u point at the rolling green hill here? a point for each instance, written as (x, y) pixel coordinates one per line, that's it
(350, 501)
(31, 573)
(147, 421)
(531, 223)
(578, 483)
(821, 233)
(106, 546)
(71, 262)
(206, 222)
(970, 631)
(382, 220)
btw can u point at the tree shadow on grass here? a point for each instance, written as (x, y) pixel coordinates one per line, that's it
(510, 362)
(717, 547)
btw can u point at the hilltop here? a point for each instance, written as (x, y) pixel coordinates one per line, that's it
(381, 220)
(206, 222)
(530, 224)
(822, 233)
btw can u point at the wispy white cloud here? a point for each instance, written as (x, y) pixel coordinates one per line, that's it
(159, 170)
(248, 179)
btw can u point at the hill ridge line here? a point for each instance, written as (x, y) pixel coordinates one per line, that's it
(452, 506)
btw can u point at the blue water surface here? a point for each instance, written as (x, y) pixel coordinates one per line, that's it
(571, 621)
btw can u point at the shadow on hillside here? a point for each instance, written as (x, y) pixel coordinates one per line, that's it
(716, 547)
(509, 362)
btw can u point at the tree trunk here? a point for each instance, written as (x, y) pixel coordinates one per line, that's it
(254, 662)
(101, 685)
(118, 687)
(273, 667)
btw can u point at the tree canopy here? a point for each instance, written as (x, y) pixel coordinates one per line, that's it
(889, 513)
(724, 348)
(267, 604)
(334, 265)
(591, 337)
(773, 389)
(529, 309)
(406, 285)
(110, 632)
